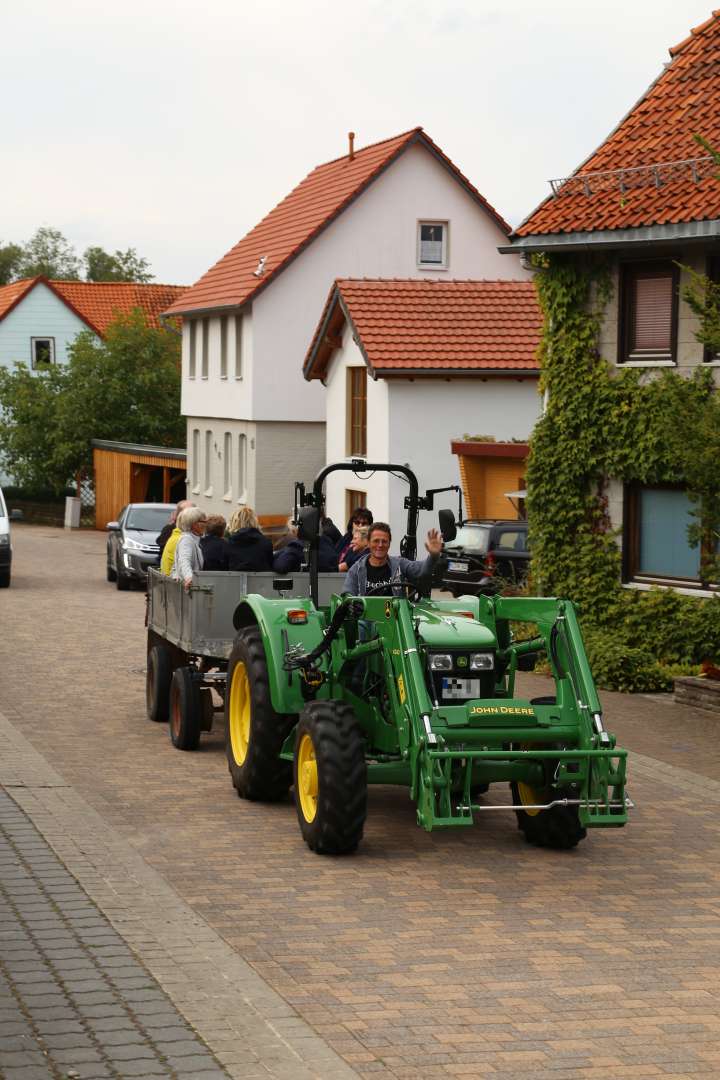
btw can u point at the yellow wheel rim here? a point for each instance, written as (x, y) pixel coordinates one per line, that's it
(239, 713)
(528, 797)
(307, 778)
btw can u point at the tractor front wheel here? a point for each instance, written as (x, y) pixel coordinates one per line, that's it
(330, 777)
(255, 733)
(559, 827)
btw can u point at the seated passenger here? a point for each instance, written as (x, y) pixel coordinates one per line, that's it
(290, 553)
(361, 516)
(188, 557)
(357, 549)
(168, 538)
(213, 544)
(247, 548)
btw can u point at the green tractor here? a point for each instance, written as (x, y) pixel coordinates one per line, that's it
(417, 692)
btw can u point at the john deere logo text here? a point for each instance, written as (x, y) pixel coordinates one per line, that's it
(501, 710)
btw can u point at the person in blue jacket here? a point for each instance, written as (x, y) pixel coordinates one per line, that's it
(290, 557)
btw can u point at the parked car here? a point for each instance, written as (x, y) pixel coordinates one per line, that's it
(5, 544)
(131, 542)
(485, 556)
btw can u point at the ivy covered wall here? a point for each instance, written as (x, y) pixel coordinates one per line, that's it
(603, 423)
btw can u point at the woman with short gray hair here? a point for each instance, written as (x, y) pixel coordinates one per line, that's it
(188, 555)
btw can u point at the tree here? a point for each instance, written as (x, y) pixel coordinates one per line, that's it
(50, 254)
(126, 387)
(10, 255)
(100, 265)
(27, 425)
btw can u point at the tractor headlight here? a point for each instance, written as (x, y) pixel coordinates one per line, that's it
(441, 662)
(482, 661)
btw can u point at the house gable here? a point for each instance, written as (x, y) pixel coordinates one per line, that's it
(252, 264)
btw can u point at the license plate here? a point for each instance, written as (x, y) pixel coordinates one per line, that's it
(458, 567)
(460, 689)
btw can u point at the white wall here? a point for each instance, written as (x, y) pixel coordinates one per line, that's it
(216, 497)
(39, 314)
(375, 237)
(216, 396)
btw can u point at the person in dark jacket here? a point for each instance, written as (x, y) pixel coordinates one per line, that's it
(361, 517)
(290, 553)
(247, 548)
(213, 544)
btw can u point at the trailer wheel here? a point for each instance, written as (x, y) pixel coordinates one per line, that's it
(185, 714)
(330, 777)
(559, 827)
(254, 732)
(157, 683)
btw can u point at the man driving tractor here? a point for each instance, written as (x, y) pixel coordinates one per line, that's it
(381, 574)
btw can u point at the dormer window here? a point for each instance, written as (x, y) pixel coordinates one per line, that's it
(432, 245)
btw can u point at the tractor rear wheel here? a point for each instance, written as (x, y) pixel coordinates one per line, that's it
(157, 683)
(185, 717)
(559, 827)
(330, 777)
(254, 732)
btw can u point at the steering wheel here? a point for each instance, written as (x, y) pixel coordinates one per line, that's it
(413, 590)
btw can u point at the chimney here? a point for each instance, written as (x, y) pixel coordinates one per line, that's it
(351, 145)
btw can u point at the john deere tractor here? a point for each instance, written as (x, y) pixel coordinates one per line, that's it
(416, 692)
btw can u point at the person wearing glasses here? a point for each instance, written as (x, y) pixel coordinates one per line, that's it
(378, 573)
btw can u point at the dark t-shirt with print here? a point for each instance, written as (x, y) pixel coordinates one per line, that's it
(378, 580)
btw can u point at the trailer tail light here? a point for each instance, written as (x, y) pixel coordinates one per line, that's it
(297, 616)
(490, 563)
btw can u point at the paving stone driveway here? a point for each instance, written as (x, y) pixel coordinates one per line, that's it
(456, 954)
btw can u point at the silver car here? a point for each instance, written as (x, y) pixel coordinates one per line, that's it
(132, 541)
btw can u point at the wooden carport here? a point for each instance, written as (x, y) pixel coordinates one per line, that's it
(127, 472)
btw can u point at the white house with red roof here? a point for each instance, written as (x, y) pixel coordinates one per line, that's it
(399, 208)
(40, 318)
(646, 203)
(410, 365)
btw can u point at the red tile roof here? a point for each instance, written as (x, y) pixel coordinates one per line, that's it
(431, 326)
(683, 101)
(97, 303)
(300, 217)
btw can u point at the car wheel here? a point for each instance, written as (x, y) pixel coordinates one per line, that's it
(110, 573)
(122, 581)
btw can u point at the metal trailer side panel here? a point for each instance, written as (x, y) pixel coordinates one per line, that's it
(200, 621)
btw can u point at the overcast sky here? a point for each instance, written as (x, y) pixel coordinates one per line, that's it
(173, 126)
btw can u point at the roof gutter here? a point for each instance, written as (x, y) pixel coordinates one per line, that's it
(649, 236)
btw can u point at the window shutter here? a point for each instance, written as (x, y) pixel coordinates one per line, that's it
(653, 303)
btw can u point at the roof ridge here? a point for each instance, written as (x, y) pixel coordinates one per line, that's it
(370, 146)
(695, 31)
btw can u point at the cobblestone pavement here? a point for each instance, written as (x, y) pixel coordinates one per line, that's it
(74, 1000)
(465, 953)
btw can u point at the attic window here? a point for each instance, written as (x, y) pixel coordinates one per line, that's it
(42, 351)
(432, 244)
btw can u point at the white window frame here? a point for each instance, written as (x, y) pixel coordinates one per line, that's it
(242, 467)
(33, 359)
(192, 348)
(207, 463)
(223, 346)
(196, 461)
(445, 262)
(238, 328)
(227, 465)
